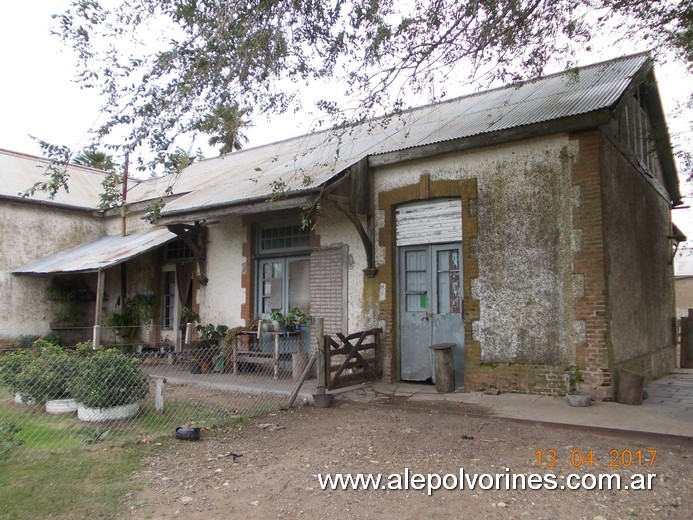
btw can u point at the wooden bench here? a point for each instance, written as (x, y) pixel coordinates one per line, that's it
(253, 353)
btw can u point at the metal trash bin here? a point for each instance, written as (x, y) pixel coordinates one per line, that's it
(444, 367)
(629, 387)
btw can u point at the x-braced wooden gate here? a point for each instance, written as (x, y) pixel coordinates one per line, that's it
(352, 359)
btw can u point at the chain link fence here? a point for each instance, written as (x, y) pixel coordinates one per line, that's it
(55, 397)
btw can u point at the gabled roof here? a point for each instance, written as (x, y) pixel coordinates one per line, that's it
(305, 163)
(19, 172)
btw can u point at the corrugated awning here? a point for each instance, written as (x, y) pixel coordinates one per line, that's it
(98, 254)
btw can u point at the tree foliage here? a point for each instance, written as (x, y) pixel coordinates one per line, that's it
(172, 67)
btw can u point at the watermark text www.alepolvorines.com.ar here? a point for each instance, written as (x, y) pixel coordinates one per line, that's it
(431, 482)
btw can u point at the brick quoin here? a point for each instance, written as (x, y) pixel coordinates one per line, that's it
(593, 354)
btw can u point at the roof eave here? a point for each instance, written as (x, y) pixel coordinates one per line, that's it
(246, 207)
(593, 119)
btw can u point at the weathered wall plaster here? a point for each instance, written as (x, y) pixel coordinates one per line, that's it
(640, 281)
(29, 233)
(220, 300)
(524, 246)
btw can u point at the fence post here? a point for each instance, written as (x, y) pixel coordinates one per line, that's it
(320, 335)
(686, 349)
(159, 395)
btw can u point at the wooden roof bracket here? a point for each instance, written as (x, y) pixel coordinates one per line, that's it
(370, 271)
(194, 238)
(359, 202)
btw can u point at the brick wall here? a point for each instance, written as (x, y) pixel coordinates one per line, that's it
(327, 287)
(592, 353)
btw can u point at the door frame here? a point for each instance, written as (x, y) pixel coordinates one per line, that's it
(432, 302)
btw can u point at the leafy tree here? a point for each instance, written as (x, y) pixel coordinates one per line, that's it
(225, 124)
(94, 158)
(224, 59)
(173, 68)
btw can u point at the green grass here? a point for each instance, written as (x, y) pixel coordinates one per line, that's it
(57, 473)
(43, 433)
(75, 484)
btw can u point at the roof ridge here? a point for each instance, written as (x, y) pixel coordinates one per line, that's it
(23, 155)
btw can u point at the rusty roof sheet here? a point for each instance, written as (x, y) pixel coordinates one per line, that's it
(19, 172)
(306, 162)
(98, 254)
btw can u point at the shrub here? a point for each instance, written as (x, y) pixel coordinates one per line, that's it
(11, 365)
(43, 344)
(108, 378)
(52, 337)
(47, 376)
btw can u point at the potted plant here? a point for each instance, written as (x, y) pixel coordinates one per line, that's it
(574, 396)
(296, 318)
(137, 310)
(205, 350)
(108, 386)
(278, 321)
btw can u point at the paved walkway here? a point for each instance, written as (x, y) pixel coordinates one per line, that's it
(255, 384)
(668, 411)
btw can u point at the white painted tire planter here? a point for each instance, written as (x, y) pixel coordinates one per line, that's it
(113, 413)
(57, 406)
(18, 399)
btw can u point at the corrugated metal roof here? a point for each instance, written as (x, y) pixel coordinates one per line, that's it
(19, 172)
(98, 254)
(306, 162)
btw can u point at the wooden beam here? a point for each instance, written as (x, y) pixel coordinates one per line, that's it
(193, 236)
(370, 270)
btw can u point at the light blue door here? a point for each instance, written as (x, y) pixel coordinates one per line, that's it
(430, 308)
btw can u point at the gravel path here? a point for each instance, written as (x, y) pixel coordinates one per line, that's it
(275, 477)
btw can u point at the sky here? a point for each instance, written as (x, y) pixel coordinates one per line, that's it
(39, 98)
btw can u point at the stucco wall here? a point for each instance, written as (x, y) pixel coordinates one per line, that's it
(31, 232)
(640, 278)
(526, 287)
(220, 300)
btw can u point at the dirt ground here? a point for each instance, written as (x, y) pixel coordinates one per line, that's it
(276, 476)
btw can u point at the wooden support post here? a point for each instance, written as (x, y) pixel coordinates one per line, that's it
(320, 334)
(96, 338)
(159, 395)
(188, 333)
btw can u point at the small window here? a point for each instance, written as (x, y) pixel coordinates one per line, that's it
(283, 238)
(177, 251)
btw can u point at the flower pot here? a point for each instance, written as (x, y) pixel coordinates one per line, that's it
(578, 398)
(113, 413)
(58, 406)
(322, 400)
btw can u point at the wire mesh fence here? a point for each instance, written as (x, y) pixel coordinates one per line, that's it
(71, 397)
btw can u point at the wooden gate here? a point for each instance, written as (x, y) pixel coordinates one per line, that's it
(352, 359)
(687, 340)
